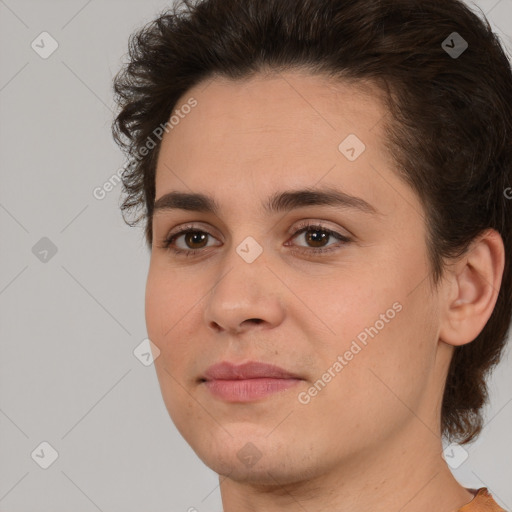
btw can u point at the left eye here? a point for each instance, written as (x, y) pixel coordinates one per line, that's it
(317, 235)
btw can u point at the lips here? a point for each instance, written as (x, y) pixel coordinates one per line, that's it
(250, 370)
(247, 382)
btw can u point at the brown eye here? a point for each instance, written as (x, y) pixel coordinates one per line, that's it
(195, 239)
(317, 237)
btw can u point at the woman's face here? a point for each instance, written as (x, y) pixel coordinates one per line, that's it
(354, 328)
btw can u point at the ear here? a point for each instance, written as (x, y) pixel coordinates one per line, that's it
(472, 287)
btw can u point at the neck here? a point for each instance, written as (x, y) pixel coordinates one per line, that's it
(406, 474)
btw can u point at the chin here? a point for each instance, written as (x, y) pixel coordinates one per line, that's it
(265, 472)
(257, 459)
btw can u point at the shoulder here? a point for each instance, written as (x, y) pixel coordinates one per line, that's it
(482, 502)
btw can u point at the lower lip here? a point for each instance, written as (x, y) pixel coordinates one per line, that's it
(248, 390)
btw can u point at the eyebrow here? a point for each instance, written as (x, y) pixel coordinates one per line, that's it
(278, 202)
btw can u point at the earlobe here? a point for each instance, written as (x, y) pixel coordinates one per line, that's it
(474, 285)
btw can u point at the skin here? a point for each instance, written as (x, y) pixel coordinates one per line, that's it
(370, 439)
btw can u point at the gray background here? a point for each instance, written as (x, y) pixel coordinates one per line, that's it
(69, 325)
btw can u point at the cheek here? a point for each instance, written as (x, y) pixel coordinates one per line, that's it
(166, 305)
(165, 308)
(378, 382)
(173, 311)
(384, 333)
(335, 309)
(157, 303)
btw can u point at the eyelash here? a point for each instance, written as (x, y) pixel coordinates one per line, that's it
(307, 226)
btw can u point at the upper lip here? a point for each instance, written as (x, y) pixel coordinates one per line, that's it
(249, 370)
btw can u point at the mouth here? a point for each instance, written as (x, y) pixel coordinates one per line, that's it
(247, 382)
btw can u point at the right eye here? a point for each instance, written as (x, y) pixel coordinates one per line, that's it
(190, 237)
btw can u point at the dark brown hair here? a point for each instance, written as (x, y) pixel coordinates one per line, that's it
(450, 129)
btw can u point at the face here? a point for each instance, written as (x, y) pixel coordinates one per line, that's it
(343, 307)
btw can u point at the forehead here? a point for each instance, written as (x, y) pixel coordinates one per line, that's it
(274, 130)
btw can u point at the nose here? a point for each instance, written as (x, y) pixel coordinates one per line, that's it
(246, 296)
